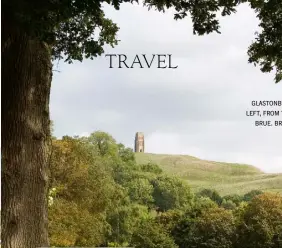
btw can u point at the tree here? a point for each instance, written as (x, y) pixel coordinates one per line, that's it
(36, 32)
(170, 219)
(124, 221)
(184, 231)
(140, 190)
(104, 143)
(151, 167)
(228, 204)
(33, 34)
(212, 194)
(252, 194)
(71, 225)
(170, 193)
(215, 227)
(151, 234)
(126, 154)
(83, 191)
(262, 222)
(237, 199)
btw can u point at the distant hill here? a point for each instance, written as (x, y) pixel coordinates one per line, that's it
(227, 178)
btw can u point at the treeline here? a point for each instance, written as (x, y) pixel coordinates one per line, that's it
(99, 196)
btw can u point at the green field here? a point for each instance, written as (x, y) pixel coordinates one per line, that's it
(226, 178)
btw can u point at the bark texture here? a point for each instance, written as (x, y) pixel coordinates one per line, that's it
(26, 82)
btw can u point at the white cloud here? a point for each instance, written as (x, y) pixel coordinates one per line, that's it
(197, 109)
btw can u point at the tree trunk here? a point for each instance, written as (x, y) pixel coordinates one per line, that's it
(26, 82)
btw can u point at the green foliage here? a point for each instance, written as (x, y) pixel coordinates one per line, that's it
(151, 167)
(184, 229)
(71, 225)
(126, 154)
(262, 222)
(140, 190)
(214, 228)
(184, 232)
(124, 220)
(239, 213)
(170, 218)
(266, 51)
(235, 198)
(200, 205)
(228, 204)
(151, 234)
(170, 193)
(99, 179)
(212, 194)
(104, 143)
(99, 196)
(85, 190)
(250, 195)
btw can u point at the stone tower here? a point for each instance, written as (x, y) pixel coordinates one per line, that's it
(139, 142)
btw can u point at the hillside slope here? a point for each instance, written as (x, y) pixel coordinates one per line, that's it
(227, 178)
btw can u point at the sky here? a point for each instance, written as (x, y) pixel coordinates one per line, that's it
(198, 109)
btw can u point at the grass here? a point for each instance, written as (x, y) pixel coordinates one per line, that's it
(226, 178)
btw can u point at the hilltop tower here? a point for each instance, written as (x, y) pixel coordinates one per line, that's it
(139, 142)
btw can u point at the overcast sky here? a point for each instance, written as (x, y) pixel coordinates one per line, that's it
(198, 109)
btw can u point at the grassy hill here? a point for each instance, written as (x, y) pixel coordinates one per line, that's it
(227, 178)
